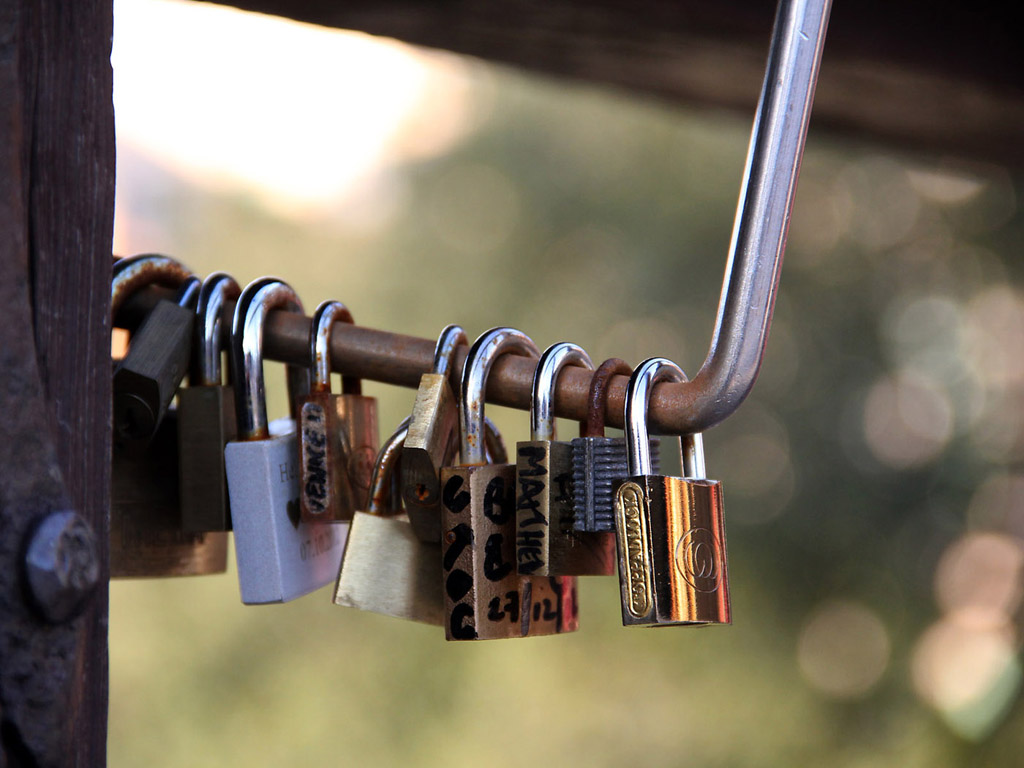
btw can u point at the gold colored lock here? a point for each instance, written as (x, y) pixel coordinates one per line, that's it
(485, 598)
(670, 530)
(338, 433)
(386, 568)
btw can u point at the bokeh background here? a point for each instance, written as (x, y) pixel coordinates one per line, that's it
(874, 480)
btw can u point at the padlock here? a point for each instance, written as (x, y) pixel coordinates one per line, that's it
(146, 534)
(279, 556)
(386, 568)
(433, 440)
(206, 416)
(670, 530)
(546, 544)
(338, 433)
(485, 597)
(147, 378)
(599, 463)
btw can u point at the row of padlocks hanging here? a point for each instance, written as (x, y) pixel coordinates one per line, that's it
(434, 525)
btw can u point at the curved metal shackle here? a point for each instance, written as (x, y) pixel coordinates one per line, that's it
(326, 315)
(217, 289)
(489, 347)
(384, 470)
(452, 336)
(638, 444)
(597, 395)
(255, 303)
(545, 379)
(135, 272)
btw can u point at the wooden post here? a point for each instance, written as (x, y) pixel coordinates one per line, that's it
(56, 223)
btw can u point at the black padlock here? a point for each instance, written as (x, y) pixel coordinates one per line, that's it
(206, 416)
(147, 378)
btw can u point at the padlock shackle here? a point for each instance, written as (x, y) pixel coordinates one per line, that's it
(326, 315)
(135, 272)
(218, 288)
(381, 492)
(545, 381)
(597, 395)
(638, 444)
(255, 303)
(451, 338)
(486, 349)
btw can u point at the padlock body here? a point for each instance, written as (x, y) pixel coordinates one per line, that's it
(337, 449)
(387, 569)
(146, 535)
(672, 551)
(206, 416)
(146, 379)
(431, 444)
(485, 597)
(599, 464)
(280, 557)
(546, 543)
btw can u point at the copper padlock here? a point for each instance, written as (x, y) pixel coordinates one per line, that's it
(546, 544)
(670, 530)
(337, 433)
(485, 597)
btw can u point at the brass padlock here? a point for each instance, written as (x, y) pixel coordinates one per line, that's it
(433, 438)
(485, 597)
(146, 534)
(600, 463)
(386, 568)
(670, 530)
(206, 416)
(546, 544)
(338, 433)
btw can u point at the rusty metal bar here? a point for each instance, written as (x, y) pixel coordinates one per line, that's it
(748, 292)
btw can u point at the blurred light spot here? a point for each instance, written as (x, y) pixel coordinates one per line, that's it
(925, 332)
(758, 465)
(908, 420)
(969, 675)
(474, 208)
(998, 504)
(843, 649)
(979, 578)
(885, 205)
(944, 185)
(294, 112)
(821, 215)
(994, 336)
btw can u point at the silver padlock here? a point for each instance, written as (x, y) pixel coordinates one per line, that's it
(280, 557)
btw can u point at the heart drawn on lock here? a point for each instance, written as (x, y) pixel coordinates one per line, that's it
(293, 513)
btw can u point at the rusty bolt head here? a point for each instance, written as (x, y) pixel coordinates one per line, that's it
(61, 566)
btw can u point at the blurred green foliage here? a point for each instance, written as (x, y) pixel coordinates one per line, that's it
(577, 214)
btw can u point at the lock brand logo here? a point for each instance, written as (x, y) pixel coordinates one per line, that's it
(699, 559)
(632, 525)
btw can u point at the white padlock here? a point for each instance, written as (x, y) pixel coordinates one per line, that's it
(279, 557)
